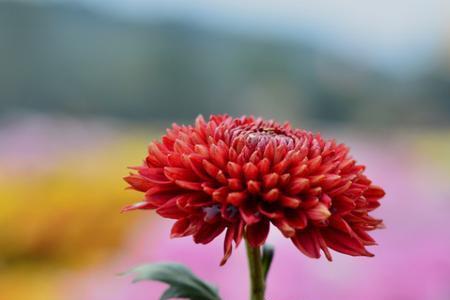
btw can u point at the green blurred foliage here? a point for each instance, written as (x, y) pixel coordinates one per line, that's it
(65, 58)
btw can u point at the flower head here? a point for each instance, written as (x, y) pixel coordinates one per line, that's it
(242, 174)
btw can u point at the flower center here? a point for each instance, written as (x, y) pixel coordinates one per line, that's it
(262, 136)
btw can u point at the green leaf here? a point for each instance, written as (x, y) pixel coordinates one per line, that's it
(267, 257)
(182, 282)
(171, 293)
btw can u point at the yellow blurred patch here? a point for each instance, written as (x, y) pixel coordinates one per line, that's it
(65, 218)
(434, 148)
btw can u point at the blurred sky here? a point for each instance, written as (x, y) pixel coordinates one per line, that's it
(401, 36)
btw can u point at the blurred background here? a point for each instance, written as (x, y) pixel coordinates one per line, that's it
(85, 85)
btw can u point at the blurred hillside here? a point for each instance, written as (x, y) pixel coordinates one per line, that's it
(65, 58)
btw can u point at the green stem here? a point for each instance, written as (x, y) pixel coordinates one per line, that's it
(256, 272)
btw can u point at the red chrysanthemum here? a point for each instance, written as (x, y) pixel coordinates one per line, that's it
(241, 174)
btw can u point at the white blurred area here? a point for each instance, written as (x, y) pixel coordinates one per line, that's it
(403, 37)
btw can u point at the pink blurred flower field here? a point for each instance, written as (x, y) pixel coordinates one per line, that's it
(411, 262)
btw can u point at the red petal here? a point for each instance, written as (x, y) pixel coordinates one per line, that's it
(254, 187)
(371, 205)
(138, 182)
(343, 205)
(257, 233)
(264, 166)
(272, 211)
(299, 170)
(374, 191)
(195, 186)
(218, 155)
(280, 153)
(250, 171)
(197, 138)
(330, 181)
(284, 227)
(138, 205)
(221, 177)
(307, 243)
(297, 219)
(239, 232)
(315, 191)
(255, 158)
(180, 228)
(157, 189)
(196, 165)
(159, 199)
(171, 210)
(272, 195)
(318, 213)
(220, 195)
(314, 163)
(281, 167)
(339, 223)
(159, 180)
(211, 169)
(270, 180)
(175, 160)
(234, 170)
(236, 198)
(200, 123)
(325, 199)
(291, 202)
(227, 244)
(235, 184)
(192, 201)
(179, 174)
(154, 175)
(297, 185)
(232, 154)
(309, 202)
(324, 247)
(207, 232)
(346, 164)
(365, 237)
(156, 155)
(314, 180)
(284, 179)
(201, 150)
(344, 243)
(269, 151)
(181, 147)
(341, 189)
(249, 212)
